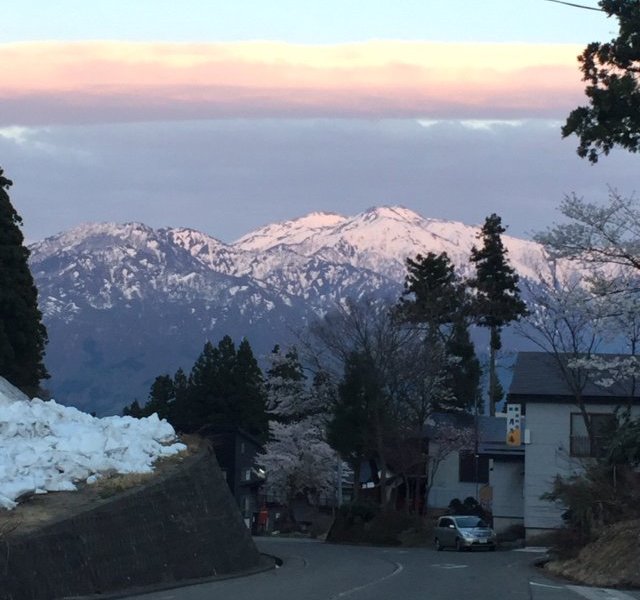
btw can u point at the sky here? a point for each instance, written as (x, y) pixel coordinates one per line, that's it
(226, 116)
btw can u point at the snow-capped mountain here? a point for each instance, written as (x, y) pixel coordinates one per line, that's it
(125, 303)
(381, 238)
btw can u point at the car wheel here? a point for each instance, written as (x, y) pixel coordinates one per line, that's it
(459, 546)
(439, 546)
(492, 548)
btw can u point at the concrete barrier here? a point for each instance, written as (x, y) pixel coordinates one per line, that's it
(183, 525)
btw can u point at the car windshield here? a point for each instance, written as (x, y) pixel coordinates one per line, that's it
(470, 522)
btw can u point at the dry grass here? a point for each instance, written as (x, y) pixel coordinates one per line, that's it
(116, 483)
(7, 527)
(39, 510)
(613, 560)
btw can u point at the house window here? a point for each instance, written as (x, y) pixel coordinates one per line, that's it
(473, 468)
(602, 425)
(247, 475)
(242, 448)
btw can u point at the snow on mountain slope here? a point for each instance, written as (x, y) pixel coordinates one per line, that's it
(101, 266)
(289, 232)
(279, 267)
(381, 238)
(318, 258)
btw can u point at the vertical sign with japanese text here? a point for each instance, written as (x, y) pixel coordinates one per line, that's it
(513, 425)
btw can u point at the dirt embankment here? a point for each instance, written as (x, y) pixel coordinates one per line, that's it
(178, 524)
(613, 560)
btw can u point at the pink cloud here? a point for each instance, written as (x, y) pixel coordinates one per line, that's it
(46, 83)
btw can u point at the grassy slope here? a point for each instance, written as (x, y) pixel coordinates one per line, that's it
(613, 560)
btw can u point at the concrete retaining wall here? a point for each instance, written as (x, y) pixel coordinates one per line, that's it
(183, 525)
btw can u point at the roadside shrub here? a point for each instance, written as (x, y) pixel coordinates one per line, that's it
(567, 542)
(364, 510)
(470, 506)
(384, 528)
(604, 494)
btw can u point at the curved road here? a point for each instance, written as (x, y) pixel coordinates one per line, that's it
(313, 570)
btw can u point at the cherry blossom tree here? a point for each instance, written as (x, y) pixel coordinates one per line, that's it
(297, 459)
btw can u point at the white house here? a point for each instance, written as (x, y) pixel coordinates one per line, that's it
(510, 480)
(494, 474)
(556, 438)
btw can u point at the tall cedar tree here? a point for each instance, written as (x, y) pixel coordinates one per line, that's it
(435, 297)
(360, 417)
(497, 300)
(22, 335)
(463, 372)
(225, 389)
(161, 397)
(431, 294)
(167, 398)
(349, 428)
(613, 88)
(250, 393)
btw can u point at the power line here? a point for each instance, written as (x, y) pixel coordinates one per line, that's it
(576, 5)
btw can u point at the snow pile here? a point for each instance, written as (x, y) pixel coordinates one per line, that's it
(46, 447)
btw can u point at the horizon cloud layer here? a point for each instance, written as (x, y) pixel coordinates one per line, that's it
(103, 82)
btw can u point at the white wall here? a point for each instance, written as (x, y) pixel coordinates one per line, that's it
(507, 480)
(446, 484)
(548, 455)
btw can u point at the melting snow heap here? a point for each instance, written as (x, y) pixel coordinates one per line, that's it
(47, 447)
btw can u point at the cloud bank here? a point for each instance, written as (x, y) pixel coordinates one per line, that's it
(227, 177)
(102, 82)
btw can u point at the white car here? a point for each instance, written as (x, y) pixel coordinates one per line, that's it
(462, 532)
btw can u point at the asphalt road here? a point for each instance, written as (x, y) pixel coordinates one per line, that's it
(316, 571)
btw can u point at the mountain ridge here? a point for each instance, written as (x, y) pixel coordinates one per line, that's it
(125, 302)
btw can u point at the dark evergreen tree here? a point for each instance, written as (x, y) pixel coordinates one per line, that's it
(22, 335)
(613, 88)
(497, 300)
(225, 389)
(463, 372)
(250, 395)
(167, 398)
(353, 429)
(161, 397)
(133, 410)
(432, 294)
(179, 407)
(203, 390)
(435, 297)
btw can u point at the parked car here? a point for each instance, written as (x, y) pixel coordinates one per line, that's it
(462, 532)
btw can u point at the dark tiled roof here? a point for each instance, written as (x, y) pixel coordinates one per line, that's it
(537, 375)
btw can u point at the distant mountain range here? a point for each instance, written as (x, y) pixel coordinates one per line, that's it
(125, 303)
